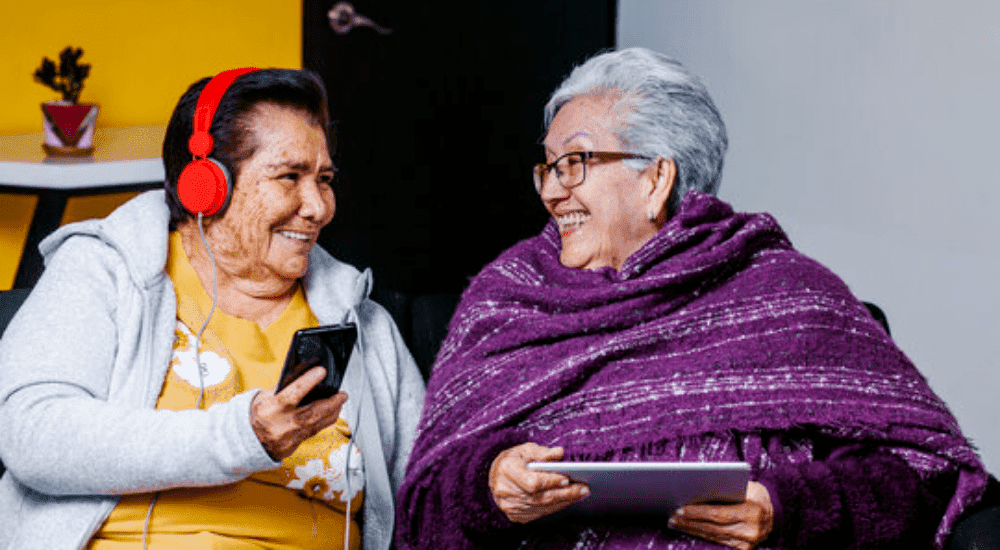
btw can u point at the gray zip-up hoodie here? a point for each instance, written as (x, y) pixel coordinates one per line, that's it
(83, 361)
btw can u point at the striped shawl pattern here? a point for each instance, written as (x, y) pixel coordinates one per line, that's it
(715, 325)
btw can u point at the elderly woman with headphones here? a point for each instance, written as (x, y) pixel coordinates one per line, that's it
(138, 383)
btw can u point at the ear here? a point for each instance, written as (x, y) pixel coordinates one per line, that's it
(661, 175)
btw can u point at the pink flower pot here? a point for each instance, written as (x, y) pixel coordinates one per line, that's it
(69, 128)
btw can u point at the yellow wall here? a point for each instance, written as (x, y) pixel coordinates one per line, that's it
(143, 55)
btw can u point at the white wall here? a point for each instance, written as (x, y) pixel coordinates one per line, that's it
(871, 130)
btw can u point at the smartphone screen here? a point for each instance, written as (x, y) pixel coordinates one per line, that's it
(328, 346)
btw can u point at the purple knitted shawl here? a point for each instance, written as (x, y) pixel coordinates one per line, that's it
(715, 325)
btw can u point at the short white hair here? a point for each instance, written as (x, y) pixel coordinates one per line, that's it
(669, 114)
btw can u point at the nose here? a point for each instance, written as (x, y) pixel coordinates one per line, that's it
(552, 191)
(317, 201)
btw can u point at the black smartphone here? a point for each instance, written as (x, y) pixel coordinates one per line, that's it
(328, 346)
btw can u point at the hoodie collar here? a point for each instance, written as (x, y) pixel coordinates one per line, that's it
(137, 230)
(335, 289)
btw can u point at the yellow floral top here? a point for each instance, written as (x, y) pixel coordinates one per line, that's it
(300, 505)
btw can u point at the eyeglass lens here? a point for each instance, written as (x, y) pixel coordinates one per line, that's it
(568, 170)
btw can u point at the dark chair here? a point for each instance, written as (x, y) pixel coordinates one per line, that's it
(879, 315)
(422, 321)
(979, 528)
(10, 302)
(431, 315)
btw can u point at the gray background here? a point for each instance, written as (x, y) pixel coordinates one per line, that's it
(871, 130)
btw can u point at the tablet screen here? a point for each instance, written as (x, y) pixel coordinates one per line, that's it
(651, 487)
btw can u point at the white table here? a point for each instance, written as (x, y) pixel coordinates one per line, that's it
(124, 159)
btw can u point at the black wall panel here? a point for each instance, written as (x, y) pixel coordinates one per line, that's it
(438, 124)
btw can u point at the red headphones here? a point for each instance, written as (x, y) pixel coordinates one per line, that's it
(204, 185)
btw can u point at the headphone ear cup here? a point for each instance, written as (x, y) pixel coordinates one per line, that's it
(204, 187)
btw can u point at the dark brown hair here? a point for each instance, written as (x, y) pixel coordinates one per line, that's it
(234, 138)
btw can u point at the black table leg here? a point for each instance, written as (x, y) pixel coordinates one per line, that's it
(48, 215)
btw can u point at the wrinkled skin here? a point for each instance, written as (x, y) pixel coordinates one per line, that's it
(281, 199)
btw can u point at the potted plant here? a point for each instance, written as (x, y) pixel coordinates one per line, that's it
(69, 125)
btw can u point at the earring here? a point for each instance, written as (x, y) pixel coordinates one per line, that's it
(652, 217)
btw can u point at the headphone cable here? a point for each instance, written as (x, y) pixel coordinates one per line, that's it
(354, 433)
(215, 296)
(197, 358)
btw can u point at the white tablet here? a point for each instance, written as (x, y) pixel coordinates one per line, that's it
(651, 487)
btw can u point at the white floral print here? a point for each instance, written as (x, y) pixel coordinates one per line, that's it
(322, 480)
(214, 367)
(356, 475)
(313, 479)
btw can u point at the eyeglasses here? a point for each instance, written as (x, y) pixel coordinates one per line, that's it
(571, 169)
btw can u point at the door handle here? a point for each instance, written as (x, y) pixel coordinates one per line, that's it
(343, 18)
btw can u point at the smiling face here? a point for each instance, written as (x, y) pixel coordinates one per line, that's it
(606, 218)
(281, 199)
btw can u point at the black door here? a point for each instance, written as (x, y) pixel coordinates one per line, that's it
(439, 110)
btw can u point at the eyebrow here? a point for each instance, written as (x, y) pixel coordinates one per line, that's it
(576, 135)
(300, 166)
(566, 141)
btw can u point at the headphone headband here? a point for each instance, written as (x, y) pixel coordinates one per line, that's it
(201, 142)
(204, 185)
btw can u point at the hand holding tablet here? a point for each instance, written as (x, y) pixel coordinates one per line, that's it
(524, 495)
(656, 488)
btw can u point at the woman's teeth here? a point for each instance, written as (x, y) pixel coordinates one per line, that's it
(569, 222)
(295, 235)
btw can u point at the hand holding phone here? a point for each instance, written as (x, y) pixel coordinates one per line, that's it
(327, 346)
(282, 425)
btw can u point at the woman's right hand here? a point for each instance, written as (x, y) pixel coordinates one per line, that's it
(525, 495)
(281, 425)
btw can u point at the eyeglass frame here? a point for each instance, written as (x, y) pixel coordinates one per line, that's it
(540, 169)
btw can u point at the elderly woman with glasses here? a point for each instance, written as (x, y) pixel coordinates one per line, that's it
(650, 322)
